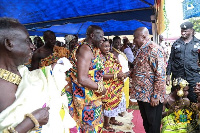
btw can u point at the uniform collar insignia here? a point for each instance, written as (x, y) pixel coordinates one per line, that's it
(197, 45)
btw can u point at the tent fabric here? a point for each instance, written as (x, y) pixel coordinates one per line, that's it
(111, 27)
(191, 9)
(71, 14)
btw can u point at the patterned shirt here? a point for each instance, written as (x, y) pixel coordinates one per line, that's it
(149, 73)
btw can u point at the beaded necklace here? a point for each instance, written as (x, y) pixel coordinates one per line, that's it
(10, 76)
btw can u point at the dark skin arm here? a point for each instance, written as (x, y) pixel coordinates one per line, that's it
(172, 109)
(164, 113)
(35, 60)
(42, 115)
(7, 97)
(120, 75)
(169, 111)
(84, 56)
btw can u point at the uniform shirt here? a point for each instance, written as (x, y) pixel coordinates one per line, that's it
(149, 73)
(183, 60)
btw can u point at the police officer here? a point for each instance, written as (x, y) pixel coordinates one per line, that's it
(183, 60)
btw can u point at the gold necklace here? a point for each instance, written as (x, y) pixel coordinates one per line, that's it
(121, 53)
(10, 76)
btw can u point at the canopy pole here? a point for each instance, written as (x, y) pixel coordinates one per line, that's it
(154, 29)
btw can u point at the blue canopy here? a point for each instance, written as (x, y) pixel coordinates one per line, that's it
(111, 27)
(191, 9)
(73, 17)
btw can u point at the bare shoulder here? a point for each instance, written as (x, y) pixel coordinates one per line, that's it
(167, 98)
(38, 53)
(84, 50)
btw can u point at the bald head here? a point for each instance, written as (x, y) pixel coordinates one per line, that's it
(8, 26)
(141, 31)
(94, 35)
(141, 36)
(91, 29)
(49, 38)
(15, 44)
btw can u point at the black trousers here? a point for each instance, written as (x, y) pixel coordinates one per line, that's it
(151, 116)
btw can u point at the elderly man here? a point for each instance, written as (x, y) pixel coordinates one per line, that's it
(148, 79)
(87, 82)
(183, 60)
(24, 95)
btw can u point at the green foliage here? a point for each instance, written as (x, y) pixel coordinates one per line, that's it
(196, 23)
(166, 19)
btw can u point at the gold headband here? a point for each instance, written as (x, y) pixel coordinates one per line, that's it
(181, 82)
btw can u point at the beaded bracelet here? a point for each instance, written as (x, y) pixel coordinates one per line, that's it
(100, 86)
(34, 120)
(10, 130)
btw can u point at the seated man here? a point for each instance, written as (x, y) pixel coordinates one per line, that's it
(175, 106)
(24, 95)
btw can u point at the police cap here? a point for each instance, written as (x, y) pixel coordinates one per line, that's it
(186, 25)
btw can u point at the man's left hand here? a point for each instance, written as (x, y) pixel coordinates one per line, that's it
(154, 101)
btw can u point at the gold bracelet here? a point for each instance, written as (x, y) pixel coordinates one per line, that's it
(34, 120)
(115, 76)
(10, 129)
(100, 86)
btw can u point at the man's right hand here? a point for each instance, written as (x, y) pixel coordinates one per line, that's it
(168, 80)
(42, 115)
(121, 75)
(104, 91)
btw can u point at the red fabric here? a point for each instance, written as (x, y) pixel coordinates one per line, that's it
(73, 130)
(138, 122)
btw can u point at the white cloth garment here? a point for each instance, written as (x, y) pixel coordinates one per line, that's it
(39, 87)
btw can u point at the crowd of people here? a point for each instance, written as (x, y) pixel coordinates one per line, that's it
(52, 87)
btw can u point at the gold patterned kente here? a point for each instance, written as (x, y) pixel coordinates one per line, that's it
(9, 76)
